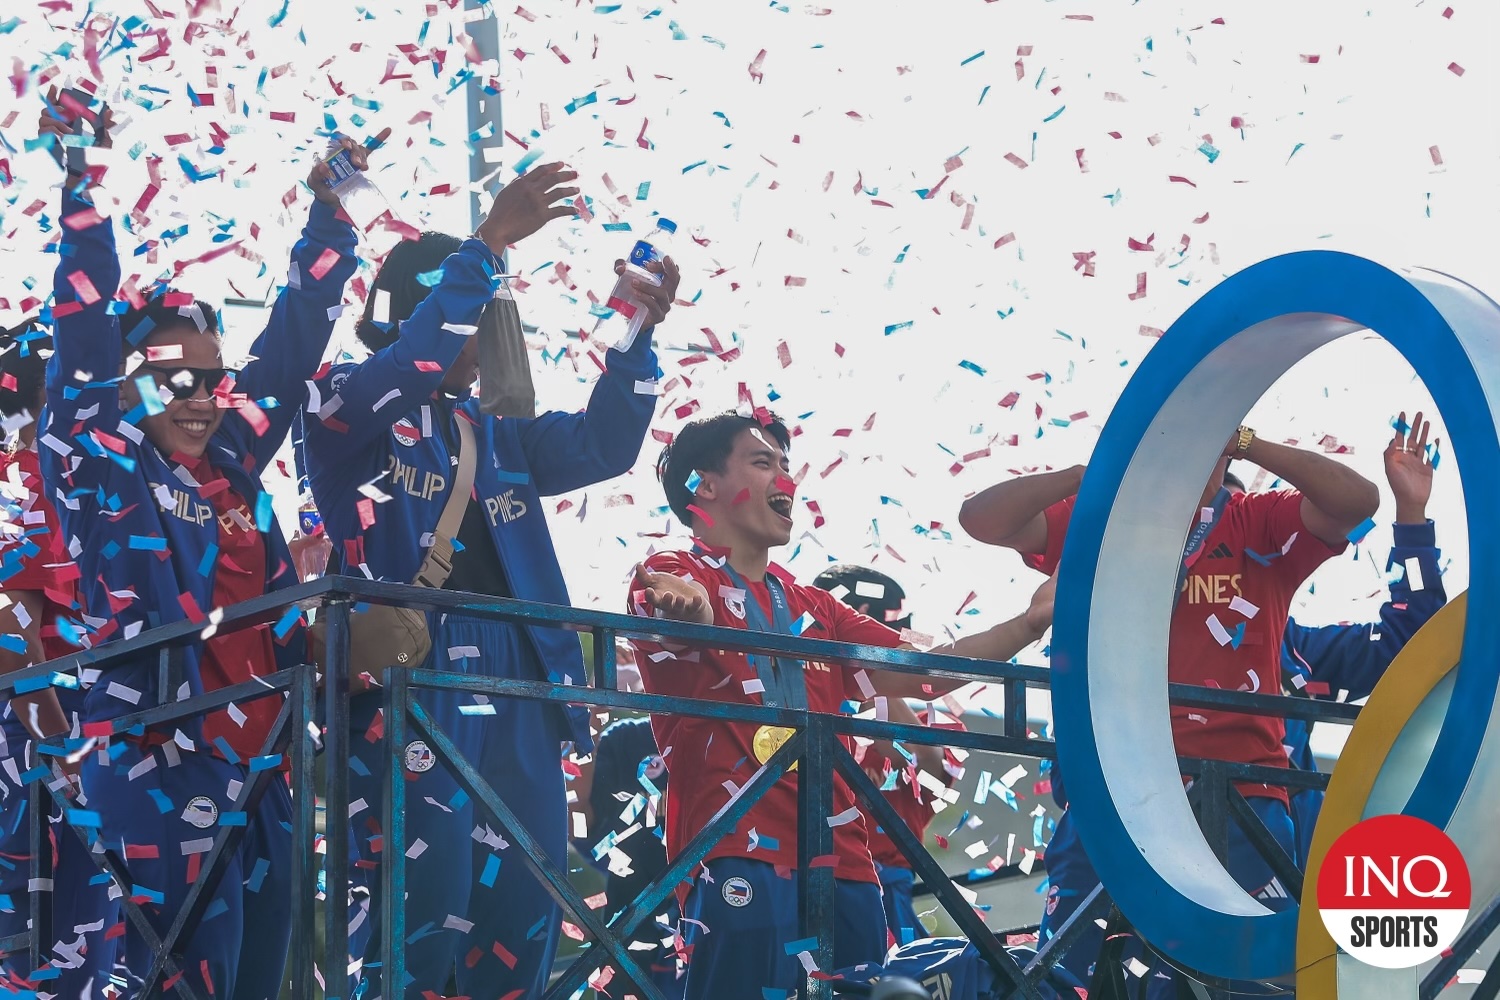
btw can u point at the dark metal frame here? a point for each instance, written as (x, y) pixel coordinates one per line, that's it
(816, 746)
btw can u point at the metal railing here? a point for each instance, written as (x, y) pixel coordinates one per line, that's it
(304, 731)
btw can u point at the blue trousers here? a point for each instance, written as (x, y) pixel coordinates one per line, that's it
(1306, 806)
(240, 947)
(82, 954)
(747, 916)
(1071, 877)
(900, 913)
(472, 906)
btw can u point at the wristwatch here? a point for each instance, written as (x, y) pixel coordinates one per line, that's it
(1242, 444)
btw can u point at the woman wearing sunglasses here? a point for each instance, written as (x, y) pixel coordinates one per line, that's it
(40, 620)
(155, 453)
(396, 422)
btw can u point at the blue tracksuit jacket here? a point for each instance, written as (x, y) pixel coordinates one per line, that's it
(1353, 658)
(144, 537)
(379, 424)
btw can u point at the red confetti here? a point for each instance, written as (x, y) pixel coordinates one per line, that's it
(325, 262)
(755, 64)
(1455, 69)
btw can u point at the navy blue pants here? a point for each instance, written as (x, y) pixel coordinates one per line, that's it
(472, 905)
(738, 927)
(239, 950)
(1306, 807)
(900, 913)
(1071, 878)
(82, 954)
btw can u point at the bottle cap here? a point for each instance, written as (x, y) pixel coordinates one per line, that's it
(666, 224)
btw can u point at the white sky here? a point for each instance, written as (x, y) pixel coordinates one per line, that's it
(879, 96)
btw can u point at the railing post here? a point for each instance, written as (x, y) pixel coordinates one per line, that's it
(1210, 788)
(40, 876)
(1015, 708)
(393, 845)
(304, 832)
(605, 661)
(815, 883)
(336, 802)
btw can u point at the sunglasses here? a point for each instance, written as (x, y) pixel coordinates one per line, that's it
(184, 383)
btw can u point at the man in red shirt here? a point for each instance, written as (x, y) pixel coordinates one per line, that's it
(1247, 554)
(726, 477)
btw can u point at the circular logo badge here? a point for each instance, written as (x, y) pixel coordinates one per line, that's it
(735, 606)
(1394, 891)
(201, 812)
(418, 757)
(406, 432)
(737, 892)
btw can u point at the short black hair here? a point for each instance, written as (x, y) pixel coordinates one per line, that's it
(138, 324)
(704, 446)
(24, 350)
(1234, 482)
(885, 609)
(399, 275)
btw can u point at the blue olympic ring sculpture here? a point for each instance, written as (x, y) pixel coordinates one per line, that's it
(1119, 570)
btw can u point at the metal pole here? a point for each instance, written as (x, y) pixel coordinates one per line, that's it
(815, 888)
(484, 109)
(392, 900)
(336, 801)
(41, 875)
(304, 832)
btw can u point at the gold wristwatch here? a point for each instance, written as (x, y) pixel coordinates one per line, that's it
(1242, 444)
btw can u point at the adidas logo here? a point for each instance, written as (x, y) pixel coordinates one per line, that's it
(1221, 551)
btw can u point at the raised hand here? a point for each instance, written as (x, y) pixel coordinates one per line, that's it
(1408, 469)
(675, 598)
(527, 204)
(656, 298)
(57, 119)
(321, 174)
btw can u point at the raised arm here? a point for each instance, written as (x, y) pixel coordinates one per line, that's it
(999, 642)
(373, 395)
(1011, 514)
(83, 392)
(567, 451)
(1335, 498)
(290, 349)
(1353, 658)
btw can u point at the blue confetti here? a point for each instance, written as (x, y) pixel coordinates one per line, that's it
(1357, 535)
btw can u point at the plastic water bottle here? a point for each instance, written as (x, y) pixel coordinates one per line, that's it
(310, 546)
(361, 199)
(622, 300)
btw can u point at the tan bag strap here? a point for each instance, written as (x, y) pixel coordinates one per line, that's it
(439, 561)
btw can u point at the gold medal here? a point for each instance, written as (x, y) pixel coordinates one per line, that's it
(769, 739)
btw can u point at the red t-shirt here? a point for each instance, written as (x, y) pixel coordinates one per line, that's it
(52, 570)
(231, 658)
(911, 800)
(703, 755)
(1228, 589)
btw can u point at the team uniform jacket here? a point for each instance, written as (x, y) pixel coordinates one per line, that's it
(144, 536)
(1325, 660)
(380, 430)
